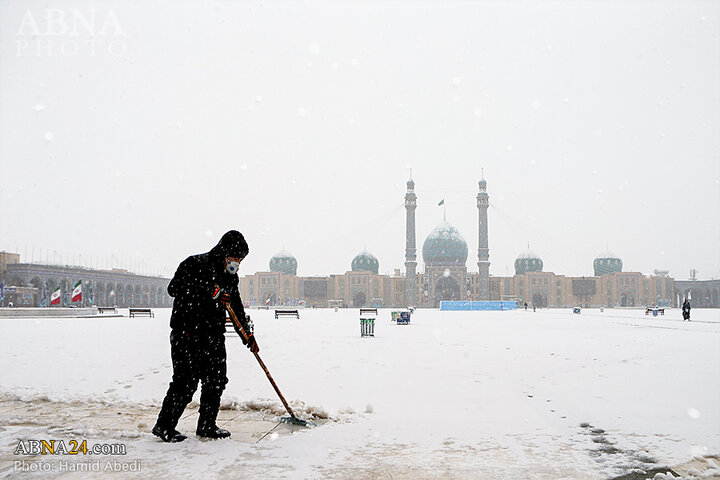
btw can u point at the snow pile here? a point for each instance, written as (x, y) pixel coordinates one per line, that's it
(275, 407)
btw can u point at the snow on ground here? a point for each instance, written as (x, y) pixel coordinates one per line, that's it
(498, 395)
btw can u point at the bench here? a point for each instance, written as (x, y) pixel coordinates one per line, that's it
(650, 310)
(368, 311)
(106, 309)
(134, 312)
(287, 313)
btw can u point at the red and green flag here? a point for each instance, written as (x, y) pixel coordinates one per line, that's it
(55, 297)
(77, 292)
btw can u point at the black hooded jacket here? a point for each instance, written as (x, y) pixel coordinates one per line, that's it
(194, 310)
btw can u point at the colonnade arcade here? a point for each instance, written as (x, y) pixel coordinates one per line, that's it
(101, 288)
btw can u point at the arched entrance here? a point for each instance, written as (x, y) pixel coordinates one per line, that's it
(271, 298)
(627, 300)
(704, 300)
(51, 287)
(145, 296)
(539, 300)
(100, 295)
(39, 286)
(359, 299)
(65, 292)
(447, 288)
(128, 296)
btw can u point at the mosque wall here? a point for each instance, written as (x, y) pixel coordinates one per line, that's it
(541, 289)
(618, 289)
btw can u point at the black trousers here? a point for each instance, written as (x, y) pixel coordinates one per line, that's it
(195, 358)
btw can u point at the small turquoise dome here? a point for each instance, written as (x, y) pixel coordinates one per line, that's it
(445, 246)
(528, 262)
(607, 263)
(283, 262)
(365, 262)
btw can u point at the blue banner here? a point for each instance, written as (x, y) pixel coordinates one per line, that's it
(43, 302)
(477, 305)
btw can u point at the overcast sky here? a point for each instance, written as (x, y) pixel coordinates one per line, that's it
(145, 130)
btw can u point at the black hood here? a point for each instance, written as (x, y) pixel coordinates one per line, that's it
(232, 244)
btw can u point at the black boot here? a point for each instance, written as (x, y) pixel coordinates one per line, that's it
(209, 406)
(168, 434)
(212, 432)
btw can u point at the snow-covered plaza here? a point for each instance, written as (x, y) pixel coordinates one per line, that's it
(497, 395)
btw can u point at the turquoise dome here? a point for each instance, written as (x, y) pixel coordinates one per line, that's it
(283, 262)
(445, 246)
(528, 262)
(365, 262)
(607, 263)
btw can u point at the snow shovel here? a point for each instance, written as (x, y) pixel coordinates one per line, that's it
(292, 419)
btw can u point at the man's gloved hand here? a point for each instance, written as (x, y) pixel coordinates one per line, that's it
(220, 295)
(252, 344)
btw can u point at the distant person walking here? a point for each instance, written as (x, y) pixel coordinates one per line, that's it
(686, 310)
(202, 286)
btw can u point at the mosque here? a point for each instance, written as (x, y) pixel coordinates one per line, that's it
(446, 277)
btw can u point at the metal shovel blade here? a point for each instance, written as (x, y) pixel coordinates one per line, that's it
(297, 421)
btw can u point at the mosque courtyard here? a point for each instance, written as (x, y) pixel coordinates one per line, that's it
(498, 395)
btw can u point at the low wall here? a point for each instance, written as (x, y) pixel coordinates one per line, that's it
(46, 312)
(466, 306)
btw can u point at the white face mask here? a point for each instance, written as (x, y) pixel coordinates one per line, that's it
(232, 267)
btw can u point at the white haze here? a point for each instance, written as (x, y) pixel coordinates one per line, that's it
(597, 125)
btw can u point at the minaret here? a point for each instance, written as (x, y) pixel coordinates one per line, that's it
(483, 251)
(410, 250)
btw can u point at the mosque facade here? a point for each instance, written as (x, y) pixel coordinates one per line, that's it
(446, 277)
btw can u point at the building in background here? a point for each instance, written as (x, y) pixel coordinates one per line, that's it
(361, 286)
(445, 277)
(30, 284)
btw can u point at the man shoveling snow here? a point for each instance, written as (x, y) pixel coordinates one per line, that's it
(202, 288)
